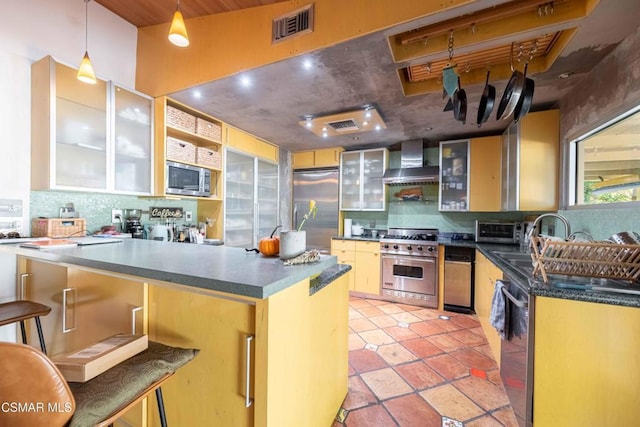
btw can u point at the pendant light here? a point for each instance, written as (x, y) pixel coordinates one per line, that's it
(85, 72)
(178, 31)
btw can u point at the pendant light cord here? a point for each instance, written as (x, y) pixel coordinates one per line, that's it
(86, 25)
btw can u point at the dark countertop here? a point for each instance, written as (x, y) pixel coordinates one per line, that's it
(216, 268)
(358, 238)
(327, 277)
(556, 287)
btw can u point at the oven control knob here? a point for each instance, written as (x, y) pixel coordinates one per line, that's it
(419, 248)
(395, 247)
(409, 248)
(430, 248)
(386, 246)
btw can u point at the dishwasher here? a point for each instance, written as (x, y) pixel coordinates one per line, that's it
(458, 278)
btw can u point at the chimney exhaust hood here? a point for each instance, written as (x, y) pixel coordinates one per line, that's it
(412, 170)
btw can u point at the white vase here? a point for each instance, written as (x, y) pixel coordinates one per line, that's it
(292, 243)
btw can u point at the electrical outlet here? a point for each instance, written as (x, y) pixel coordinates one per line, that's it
(116, 216)
(188, 216)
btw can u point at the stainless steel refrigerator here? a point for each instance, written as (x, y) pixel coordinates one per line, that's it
(320, 185)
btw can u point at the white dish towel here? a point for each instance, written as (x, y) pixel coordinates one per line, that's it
(498, 316)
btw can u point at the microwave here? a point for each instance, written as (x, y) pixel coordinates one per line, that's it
(499, 232)
(187, 180)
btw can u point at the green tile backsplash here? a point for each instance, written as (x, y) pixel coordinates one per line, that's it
(96, 207)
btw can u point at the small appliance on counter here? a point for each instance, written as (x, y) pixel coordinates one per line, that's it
(133, 224)
(68, 211)
(509, 232)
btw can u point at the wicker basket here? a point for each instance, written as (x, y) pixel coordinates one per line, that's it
(209, 129)
(181, 119)
(209, 157)
(58, 227)
(180, 151)
(589, 259)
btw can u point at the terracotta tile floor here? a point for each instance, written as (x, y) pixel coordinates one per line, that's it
(408, 367)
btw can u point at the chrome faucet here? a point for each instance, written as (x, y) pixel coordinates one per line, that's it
(567, 227)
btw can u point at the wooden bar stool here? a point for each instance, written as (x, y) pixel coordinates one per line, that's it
(19, 311)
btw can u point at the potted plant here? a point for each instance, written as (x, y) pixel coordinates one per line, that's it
(294, 242)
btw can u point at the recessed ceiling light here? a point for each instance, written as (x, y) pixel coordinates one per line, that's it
(356, 138)
(565, 75)
(365, 123)
(428, 129)
(307, 64)
(245, 81)
(197, 94)
(378, 127)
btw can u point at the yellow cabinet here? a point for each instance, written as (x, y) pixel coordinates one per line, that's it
(326, 157)
(530, 163)
(207, 144)
(249, 144)
(485, 278)
(345, 251)
(215, 379)
(298, 356)
(364, 258)
(178, 123)
(470, 175)
(586, 365)
(485, 174)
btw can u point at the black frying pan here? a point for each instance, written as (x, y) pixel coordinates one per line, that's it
(511, 95)
(524, 103)
(486, 102)
(460, 104)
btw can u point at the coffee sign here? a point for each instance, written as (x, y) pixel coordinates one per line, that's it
(165, 213)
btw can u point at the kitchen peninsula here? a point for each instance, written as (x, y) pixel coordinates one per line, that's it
(272, 338)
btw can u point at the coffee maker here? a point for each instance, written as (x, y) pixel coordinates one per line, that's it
(133, 225)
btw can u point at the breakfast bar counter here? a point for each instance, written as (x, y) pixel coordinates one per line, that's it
(273, 339)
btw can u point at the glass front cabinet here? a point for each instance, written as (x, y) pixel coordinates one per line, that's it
(88, 137)
(454, 176)
(361, 186)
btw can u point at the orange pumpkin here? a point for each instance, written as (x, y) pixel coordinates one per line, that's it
(270, 246)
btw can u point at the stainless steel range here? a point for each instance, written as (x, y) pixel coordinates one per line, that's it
(410, 266)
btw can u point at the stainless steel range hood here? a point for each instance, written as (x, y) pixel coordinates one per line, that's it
(412, 170)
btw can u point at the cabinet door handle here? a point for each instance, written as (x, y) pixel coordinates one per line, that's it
(23, 279)
(134, 310)
(248, 400)
(64, 310)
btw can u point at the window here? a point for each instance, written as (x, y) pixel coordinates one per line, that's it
(607, 163)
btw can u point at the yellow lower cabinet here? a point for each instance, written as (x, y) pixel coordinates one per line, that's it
(367, 275)
(485, 278)
(210, 390)
(587, 364)
(345, 251)
(298, 357)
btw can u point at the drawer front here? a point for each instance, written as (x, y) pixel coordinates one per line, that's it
(371, 247)
(343, 245)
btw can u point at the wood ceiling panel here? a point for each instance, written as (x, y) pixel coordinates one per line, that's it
(143, 13)
(486, 59)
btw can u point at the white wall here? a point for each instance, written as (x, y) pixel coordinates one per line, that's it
(30, 30)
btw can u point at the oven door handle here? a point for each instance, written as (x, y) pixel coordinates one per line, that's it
(518, 303)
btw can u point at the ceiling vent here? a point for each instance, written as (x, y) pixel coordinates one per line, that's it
(293, 24)
(344, 125)
(362, 120)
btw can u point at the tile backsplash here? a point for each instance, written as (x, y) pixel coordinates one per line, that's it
(96, 207)
(601, 223)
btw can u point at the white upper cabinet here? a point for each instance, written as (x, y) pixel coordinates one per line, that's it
(361, 186)
(88, 137)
